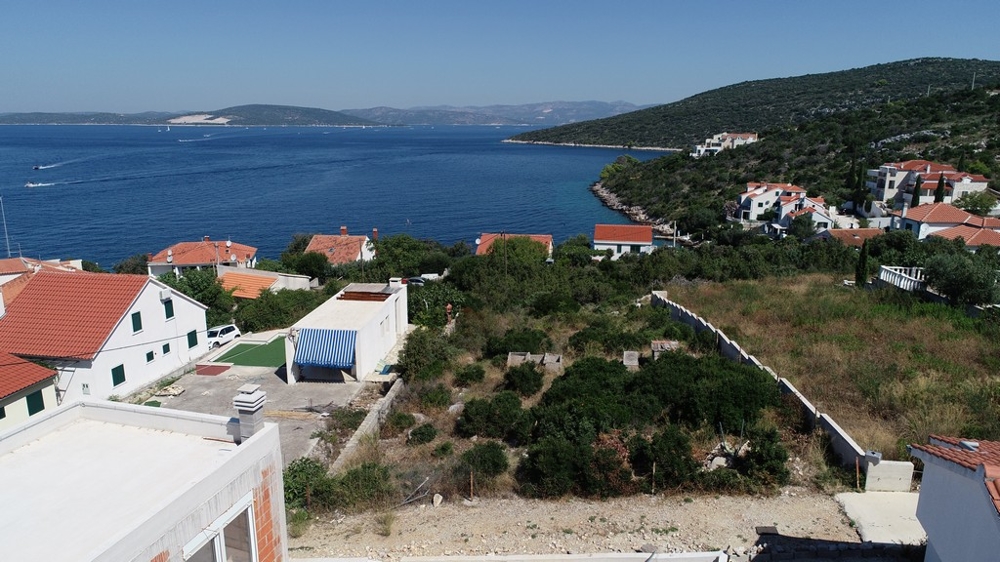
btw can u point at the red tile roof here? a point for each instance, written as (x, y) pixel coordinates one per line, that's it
(774, 186)
(854, 237)
(18, 374)
(920, 166)
(338, 248)
(487, 239)
(204, 252)
(973, 236)
(987, 455)
(938, 213)
(246, 285)
(67, 314)
(625, 233)
(12, 265)
(13, 288)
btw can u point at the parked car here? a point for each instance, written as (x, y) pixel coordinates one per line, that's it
(221, 335)
(416, 281)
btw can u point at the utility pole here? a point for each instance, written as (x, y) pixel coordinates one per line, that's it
(4, 213)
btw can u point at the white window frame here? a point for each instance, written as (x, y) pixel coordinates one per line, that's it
(214, 531)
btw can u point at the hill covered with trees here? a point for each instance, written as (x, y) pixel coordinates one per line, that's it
(828, 156)
(761, 104)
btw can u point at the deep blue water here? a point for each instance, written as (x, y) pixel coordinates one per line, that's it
(112, 191)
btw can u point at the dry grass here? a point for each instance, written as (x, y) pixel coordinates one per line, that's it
(886, 377)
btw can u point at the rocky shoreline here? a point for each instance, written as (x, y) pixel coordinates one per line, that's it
(635, 213)
(579, 145)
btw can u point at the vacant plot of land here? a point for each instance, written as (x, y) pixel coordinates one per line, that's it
(250, 355)
(889, 369)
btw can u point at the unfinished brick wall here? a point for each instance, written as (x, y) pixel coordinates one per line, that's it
(269, 536)
(161, 557)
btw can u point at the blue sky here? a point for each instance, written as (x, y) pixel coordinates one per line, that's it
(130, 56)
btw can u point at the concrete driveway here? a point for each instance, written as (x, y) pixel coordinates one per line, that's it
(295, 408)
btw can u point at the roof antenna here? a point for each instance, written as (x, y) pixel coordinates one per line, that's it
(4, 213)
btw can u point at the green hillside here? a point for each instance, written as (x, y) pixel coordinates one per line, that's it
(825, 155)
(760, 104)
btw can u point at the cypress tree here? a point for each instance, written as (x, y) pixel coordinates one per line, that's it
(939, 192)
(915, 199)
(861, 270)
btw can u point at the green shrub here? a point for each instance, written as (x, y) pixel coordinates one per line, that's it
(766, 463)
(443, 450)
(547, 303)
(486, 460)
(500, 417)
(469, 374)
(422, 434)
(303, 478)
(552, 468)
(435, 396)
(365, 487)
(525, 379)
(399, 421)
(521, 339)
(670, 451)
(425, 356)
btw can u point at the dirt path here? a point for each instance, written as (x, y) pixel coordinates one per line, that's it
(519, 526)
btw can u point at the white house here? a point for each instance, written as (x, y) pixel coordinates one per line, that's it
(343, 248)
(894, 182)
(940, 219)
(104, 334)
(623, 239)
(112, 482)
(959, 503)
(723, 141)
(203, 254)
(26, 389)
(348, 334)
(761, 197)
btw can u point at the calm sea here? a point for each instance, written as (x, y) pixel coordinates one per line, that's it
(107, 192)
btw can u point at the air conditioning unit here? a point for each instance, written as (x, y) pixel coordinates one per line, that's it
(166, 294)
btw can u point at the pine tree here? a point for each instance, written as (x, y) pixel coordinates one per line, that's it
(915, 199)
(939, 192)
(861, 270)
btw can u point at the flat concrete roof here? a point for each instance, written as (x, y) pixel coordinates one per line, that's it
(74, 485)
(337, 314)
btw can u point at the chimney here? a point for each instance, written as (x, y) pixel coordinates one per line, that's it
(206, 238)
(928, 168)
(343, 231)
(249, 403)
(374, 233)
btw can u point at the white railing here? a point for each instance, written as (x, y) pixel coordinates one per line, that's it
(906, 278)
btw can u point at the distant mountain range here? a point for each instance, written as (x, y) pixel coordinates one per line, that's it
(549, 113)
(760, 104)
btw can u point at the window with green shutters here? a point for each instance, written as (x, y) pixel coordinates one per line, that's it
(118, 375)
(149, 357)
(168, 308)
(136, 321)
(166, 348)
(36, 402)
(192, 338)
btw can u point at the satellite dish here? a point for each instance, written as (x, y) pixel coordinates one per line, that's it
(232, 257)
(229, 244)
(478, 241)
(170, 256)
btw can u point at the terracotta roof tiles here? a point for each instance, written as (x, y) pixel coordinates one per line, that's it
(12, 265)
(338, 248)
(17, 374)
(854, 237)
(204, 252)
(937, 213)
(67, 314)
(625, 233)
(972, 236)
(246, 285)
(987, 455)
(487, 239)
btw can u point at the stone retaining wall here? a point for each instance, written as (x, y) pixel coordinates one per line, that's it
(372, 424)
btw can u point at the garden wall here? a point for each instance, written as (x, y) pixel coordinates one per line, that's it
(843, 445)
(372, 424)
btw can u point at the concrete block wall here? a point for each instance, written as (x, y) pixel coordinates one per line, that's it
(843, 444)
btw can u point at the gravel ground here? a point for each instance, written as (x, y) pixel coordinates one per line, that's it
(520, 526)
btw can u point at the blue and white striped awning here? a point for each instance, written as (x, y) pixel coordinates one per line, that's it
(326, 348)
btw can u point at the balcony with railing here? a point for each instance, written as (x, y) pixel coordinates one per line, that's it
(906, 278)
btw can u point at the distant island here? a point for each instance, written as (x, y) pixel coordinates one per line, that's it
(263, 115)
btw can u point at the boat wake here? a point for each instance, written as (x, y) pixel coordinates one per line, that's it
(35, 184)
